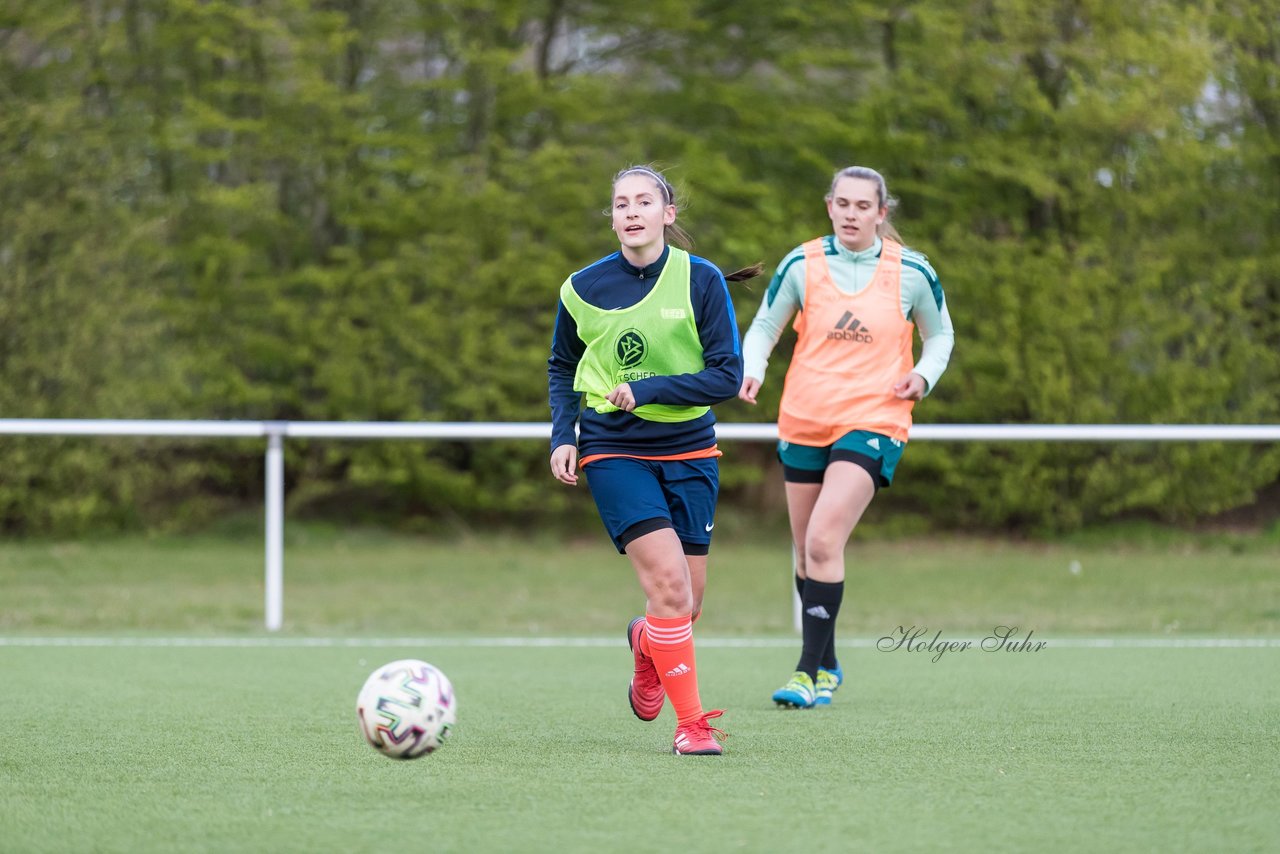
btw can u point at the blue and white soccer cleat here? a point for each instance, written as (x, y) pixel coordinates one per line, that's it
(798, 693)
(826, 684)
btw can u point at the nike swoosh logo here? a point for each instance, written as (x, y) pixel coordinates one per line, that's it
(709, 527)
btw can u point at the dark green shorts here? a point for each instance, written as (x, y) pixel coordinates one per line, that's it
(875, 452)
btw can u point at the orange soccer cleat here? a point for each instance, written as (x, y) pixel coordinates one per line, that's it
(698, 737)
(645, 693)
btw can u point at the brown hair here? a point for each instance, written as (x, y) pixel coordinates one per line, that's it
(674, 233)
(887, 202)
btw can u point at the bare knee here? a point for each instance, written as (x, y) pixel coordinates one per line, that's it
(668, 590)
(822, 552)
(663, 571)
(670, 600)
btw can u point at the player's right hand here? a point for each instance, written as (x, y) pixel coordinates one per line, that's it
(750, 386)
(564, 464)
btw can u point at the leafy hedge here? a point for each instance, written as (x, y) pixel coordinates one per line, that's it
(363, 210)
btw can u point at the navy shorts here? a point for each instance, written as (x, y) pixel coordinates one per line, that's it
(637, 497)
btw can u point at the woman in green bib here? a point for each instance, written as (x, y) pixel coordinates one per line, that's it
(645, 342)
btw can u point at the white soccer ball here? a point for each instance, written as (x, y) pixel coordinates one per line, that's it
(406, 709)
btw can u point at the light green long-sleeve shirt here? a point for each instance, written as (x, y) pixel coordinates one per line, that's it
(923, 303)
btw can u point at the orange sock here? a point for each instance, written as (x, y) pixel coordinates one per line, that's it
(670, 643)
(644, 633)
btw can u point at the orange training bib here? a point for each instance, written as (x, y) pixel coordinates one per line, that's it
(850, 352)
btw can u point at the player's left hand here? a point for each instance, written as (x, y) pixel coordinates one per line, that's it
(910, 387)
(622, 398)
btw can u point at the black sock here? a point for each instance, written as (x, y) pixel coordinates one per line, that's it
(819, 606)
(828, 660)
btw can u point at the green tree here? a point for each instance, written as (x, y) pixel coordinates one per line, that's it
(359, 210)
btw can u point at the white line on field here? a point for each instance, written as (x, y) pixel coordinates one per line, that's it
(565, 642)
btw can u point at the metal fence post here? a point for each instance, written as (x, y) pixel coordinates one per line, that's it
(275, 527)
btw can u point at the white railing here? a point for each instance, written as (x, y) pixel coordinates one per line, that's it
(275, 432)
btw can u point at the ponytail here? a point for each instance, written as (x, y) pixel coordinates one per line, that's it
(745, 274)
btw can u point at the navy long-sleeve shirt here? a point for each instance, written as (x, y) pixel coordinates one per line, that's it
(613, 283)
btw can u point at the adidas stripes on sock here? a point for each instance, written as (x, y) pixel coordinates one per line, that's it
(819, 606)
(827, 660)
(670, 645)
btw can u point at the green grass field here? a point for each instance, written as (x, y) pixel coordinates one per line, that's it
(143, 708)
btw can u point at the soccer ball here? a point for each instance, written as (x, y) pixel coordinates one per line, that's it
(406, 709)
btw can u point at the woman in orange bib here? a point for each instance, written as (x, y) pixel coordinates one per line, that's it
(847, 398)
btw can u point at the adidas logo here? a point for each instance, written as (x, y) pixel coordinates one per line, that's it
(849, 328)
(819, 612)
(679, 670)
(874, 442)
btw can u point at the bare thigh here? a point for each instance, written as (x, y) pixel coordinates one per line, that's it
(824, 515)
(801, 497)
